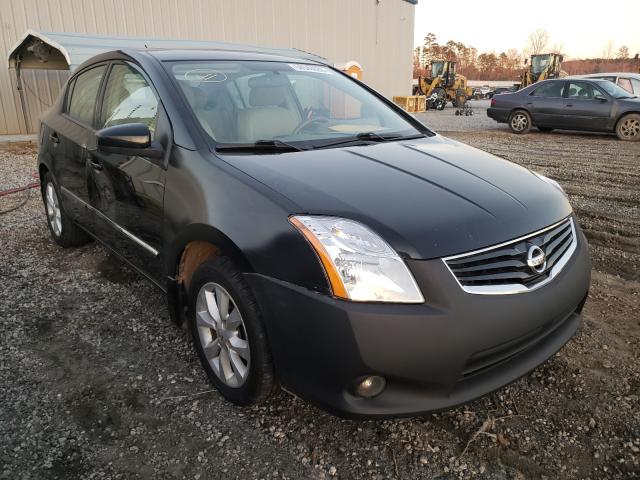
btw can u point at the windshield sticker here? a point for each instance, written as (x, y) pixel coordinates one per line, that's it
(304, 67)
(204, 75)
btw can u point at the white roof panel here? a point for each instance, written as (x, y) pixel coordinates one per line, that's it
(66, 51)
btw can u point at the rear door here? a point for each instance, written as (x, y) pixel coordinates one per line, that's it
(586, 107)
(127, 191)
(545, 104)
(69, 137)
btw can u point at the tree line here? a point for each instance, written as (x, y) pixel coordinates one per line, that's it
(508, 65)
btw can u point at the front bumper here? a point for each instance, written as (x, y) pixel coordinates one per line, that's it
(450, 350)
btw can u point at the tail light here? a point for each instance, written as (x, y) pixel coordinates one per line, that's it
(493, 102)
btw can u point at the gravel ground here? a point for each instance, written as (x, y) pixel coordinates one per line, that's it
(97, 382)
(447, 120)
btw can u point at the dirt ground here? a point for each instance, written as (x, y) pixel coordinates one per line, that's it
(97, 382)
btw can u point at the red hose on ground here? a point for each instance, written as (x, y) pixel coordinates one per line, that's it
(20, 189)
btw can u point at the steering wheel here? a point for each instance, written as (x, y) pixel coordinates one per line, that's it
(309, 121)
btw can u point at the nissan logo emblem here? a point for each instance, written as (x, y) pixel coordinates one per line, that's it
(536, 259)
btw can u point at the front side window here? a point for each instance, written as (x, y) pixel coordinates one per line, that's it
(636, 86)
(251, 101)
(82, 103)
(549, 89)
(581, 90)
(128, 98)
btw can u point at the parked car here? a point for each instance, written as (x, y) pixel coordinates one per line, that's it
(570, 104)
(500, 90)
(626, 80)
(310, 232)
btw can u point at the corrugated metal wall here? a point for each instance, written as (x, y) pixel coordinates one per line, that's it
(376, 33)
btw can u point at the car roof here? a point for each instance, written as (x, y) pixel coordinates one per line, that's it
(608, 74)
(168, 55)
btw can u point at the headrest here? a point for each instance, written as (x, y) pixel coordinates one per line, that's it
(266, 96)
(268, 80)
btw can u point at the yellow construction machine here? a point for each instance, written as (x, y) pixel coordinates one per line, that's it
(542, 66)
(444, 85)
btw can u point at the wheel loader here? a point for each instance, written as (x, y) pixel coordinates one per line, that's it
(444, 85)
(542, 66)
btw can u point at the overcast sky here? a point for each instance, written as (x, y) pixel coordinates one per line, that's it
(583, 27)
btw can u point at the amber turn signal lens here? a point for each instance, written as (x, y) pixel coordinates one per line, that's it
(337, 287)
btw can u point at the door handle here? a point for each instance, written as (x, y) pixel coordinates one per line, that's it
(529, 103)
(95, 163)
(569, 105)
(54, 137)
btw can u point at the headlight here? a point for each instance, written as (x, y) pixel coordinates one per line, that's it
(359, 264)
(551, 182)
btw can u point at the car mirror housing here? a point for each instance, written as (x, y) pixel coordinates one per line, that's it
(128, 135)
(127, 139)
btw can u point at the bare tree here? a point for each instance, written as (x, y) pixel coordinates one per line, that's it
(537, 42)
(623, 52)
(607, 51)
(558, 48)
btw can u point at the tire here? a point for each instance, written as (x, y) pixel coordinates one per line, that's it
(63, 231)
(628, 128)
(520, 121)
(240, 366)
(545, 129)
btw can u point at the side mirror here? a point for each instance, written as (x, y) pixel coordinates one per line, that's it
(128, 135)
(601, 99)
(128, 139)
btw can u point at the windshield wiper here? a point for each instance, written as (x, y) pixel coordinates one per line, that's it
(625, 97)
(260, 145)
(369, 137)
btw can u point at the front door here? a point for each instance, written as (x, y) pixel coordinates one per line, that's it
(586, 107)
(127, 191)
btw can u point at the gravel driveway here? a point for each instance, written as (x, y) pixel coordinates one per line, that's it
(97, 382)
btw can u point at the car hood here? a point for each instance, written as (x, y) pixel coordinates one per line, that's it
(428, 198)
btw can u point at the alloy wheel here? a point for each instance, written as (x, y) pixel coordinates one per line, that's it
(54, 214)
(630, 128)
(223, 335)
(519, 122)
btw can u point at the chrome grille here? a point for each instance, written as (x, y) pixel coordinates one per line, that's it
(503, 268)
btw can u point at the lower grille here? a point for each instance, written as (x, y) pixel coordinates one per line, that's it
(516, 266)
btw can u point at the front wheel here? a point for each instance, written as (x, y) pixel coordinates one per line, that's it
(520, 122)
(228, 333)
(628, 128)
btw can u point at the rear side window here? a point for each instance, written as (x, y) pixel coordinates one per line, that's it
(82, 103)
(128, 98)
(551, 89)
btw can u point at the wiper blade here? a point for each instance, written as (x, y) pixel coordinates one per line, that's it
(369, 137)
(260, 145)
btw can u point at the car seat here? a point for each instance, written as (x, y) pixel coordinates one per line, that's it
(272, 111)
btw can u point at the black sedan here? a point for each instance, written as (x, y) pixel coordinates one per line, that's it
(570, 104)
(309, 232)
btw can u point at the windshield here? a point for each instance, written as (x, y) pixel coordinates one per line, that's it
(244, 102)
(614, 90)
(539, 63)
(437, 68)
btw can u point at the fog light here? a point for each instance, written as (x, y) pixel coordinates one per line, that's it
(370, 386)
